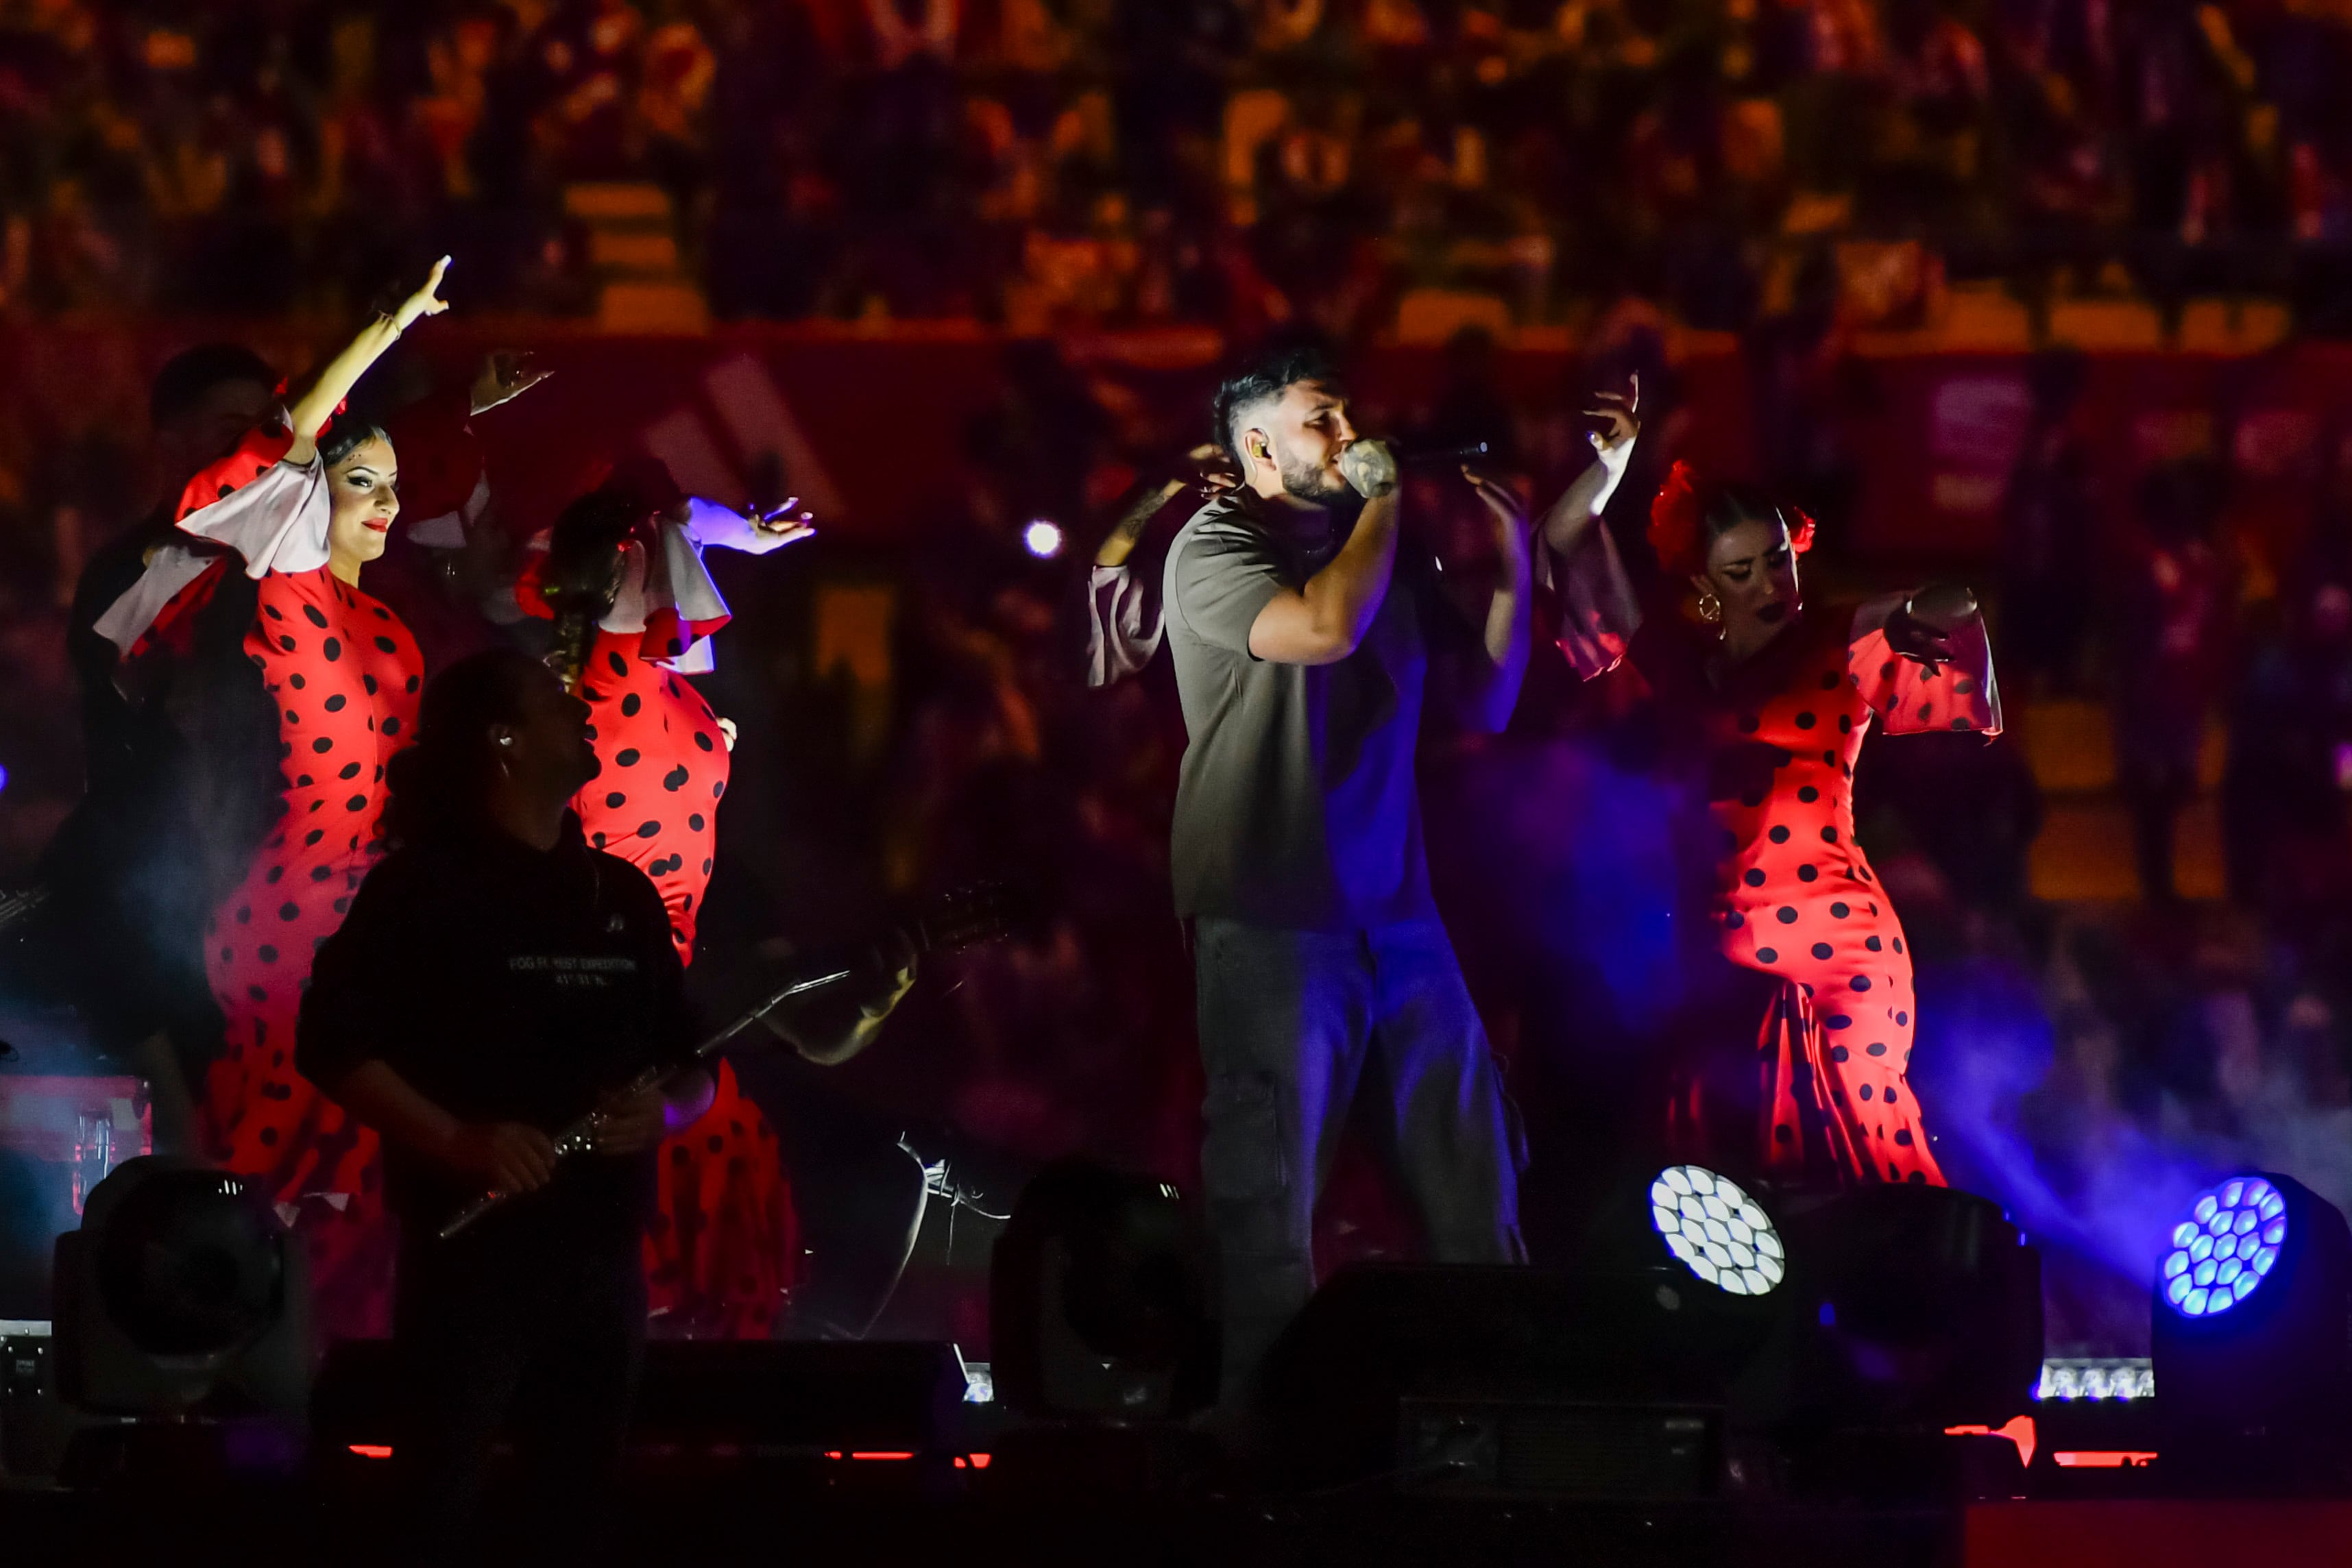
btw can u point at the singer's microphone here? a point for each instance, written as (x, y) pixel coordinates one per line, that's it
(1441, 456)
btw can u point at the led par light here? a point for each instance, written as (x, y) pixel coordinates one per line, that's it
(1099, 1299)
(2253, 1340)
(181, 1294)
(1717, 1231)
(2226, 1247)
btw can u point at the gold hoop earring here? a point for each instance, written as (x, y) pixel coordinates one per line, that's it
(1710, 608)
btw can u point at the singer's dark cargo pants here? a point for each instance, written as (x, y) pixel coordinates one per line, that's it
(1294, 1025)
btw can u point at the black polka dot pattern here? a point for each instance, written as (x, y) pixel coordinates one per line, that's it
(658, 728)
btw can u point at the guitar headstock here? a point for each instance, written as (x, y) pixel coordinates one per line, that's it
(968, 916)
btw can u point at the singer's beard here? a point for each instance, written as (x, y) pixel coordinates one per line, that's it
(1319, 486)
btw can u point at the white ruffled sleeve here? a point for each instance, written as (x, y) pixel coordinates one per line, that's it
(1124, 623)
(272, 513)
(276, 523)
(672, 601)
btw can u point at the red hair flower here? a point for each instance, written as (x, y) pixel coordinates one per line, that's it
(1801, 526)
(1674, 522)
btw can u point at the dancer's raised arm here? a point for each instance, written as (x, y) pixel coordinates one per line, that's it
(1599, 607)
(334, 384)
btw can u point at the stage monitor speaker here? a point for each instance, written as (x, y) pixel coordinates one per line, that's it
(1531, 1447)
(1509, 1381)
(766, 1399)
(1911, 1306)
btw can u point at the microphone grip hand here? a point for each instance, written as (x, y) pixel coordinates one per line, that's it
(1371, 467)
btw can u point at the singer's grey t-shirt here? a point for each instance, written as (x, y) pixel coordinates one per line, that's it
(1295, 807)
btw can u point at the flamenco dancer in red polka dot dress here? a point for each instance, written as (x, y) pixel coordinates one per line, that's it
(634, 610)
(302, 513)
(1782, 697)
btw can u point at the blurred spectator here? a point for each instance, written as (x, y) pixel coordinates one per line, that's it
(2049, 540)
(2283, 823)
(2172, 614)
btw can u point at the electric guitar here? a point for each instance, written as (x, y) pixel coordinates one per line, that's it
(964, 917)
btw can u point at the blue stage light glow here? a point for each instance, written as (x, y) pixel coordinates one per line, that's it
(2225, 1248)
(1717, 1230)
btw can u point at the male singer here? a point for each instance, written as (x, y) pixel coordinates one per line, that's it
(1305, 635)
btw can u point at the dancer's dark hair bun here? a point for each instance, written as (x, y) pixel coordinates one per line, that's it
(1691, 513)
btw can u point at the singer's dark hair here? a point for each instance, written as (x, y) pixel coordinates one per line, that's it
(442, 784)
(1260, 381)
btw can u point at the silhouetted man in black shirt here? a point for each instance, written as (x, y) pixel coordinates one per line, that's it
(495, 980)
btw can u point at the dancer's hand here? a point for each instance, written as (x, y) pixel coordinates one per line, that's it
(504, 1156)
(1619, 415)
(425, 301)
(1213, 474)
(1923, 627)
(781, 524)
(1213, 469)
(1510, 514)
(315, 407)
(505, 376)
(727, 732)
(752, 530)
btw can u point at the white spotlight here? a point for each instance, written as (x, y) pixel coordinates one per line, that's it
(1719, 1232)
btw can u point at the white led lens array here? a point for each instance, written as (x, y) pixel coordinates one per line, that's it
(1717, 1230)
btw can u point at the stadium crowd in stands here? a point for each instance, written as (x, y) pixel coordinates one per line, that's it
(1070, 161)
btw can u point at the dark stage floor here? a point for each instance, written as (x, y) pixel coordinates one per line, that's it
(703, 1509)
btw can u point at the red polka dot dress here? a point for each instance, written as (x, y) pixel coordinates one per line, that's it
(1795, 897)
(344, 674)
(655, 804)
(719, 1254)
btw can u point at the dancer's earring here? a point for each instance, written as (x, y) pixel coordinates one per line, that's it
(1710, 608)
